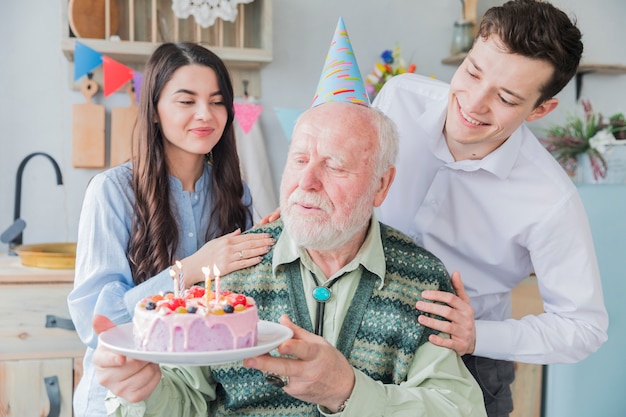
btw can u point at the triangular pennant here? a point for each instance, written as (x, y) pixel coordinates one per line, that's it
(247, 115)
(341, 79)
(137, 80)
(115, 75)
(85, 60)
(287, 119)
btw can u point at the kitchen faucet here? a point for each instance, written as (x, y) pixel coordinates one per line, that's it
(13, 234)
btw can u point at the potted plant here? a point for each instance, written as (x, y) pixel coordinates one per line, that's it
(590, 136)
(617, 122)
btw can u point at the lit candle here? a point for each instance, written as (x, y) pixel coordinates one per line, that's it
(216, 272)
(181, 281)
(207, 284)
(174, 276)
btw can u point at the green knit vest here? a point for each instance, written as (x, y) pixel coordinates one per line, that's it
(379, 336)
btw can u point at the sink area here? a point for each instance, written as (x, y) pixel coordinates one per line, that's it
(60, 255)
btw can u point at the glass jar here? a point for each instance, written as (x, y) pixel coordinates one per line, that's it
(462, 37)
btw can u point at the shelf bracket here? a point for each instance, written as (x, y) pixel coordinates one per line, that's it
(579, 83)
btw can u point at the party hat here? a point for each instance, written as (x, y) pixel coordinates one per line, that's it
(341, 79)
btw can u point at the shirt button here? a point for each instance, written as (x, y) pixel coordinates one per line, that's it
(190, 234)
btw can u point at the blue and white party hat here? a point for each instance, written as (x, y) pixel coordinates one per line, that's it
(341, 79)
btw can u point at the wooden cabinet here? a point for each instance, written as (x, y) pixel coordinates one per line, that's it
(527, 387)
(134, 28)
(36, 387)
(40, 363)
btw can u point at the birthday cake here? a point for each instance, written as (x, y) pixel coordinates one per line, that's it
(194, 321)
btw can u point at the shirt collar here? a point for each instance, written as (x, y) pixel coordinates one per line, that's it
(177, 185)
(500, 162)
(370, 255)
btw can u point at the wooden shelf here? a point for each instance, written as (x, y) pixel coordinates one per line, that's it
(586, 68)
(138, 52)
(611, 69)
(583, 68)
(245, 46)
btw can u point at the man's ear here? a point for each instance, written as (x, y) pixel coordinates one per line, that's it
(383, 186)
(543, 109)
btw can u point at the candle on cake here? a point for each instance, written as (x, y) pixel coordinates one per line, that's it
(174, 276)
(216, 272)
(181, 281)
(207, 284)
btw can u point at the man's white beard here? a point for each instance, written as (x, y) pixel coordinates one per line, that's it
(321, 231)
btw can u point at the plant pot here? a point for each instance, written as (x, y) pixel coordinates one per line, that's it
(615, 157)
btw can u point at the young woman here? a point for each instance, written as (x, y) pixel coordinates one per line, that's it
(181, 197)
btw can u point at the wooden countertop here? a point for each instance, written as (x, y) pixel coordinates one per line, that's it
(13, 272)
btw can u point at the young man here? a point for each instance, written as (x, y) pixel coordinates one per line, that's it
(475, 187)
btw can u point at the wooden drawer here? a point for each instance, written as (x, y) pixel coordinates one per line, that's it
(36, 387)
(40, 363)
(23, 321)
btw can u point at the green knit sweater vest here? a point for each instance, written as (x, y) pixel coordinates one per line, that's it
(379, 336)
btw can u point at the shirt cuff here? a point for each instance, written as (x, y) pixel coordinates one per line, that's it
(119, 407)
(493, 339)
(368, 398)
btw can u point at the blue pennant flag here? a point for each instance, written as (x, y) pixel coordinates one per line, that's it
(85, 60)
(287, 119)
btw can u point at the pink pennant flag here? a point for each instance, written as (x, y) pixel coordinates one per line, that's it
(115, 75)
(247, 115)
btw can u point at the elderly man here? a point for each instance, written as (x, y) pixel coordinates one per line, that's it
(360, 353)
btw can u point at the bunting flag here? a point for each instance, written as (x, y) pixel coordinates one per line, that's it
(85, 60)
(247, 114)
(137, 80)
(115, 75)
(287, 119)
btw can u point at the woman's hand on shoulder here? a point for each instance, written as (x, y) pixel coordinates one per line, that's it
(231, 252)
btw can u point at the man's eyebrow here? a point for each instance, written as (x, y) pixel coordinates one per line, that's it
(514, 94)
(506, 90)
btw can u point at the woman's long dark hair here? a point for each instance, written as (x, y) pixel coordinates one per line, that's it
(154, 232)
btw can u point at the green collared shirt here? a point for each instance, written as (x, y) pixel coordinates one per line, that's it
(370, 257)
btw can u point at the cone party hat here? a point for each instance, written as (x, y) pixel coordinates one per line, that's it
(341, 79)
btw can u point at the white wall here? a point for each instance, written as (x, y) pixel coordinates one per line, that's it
(36, 99)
